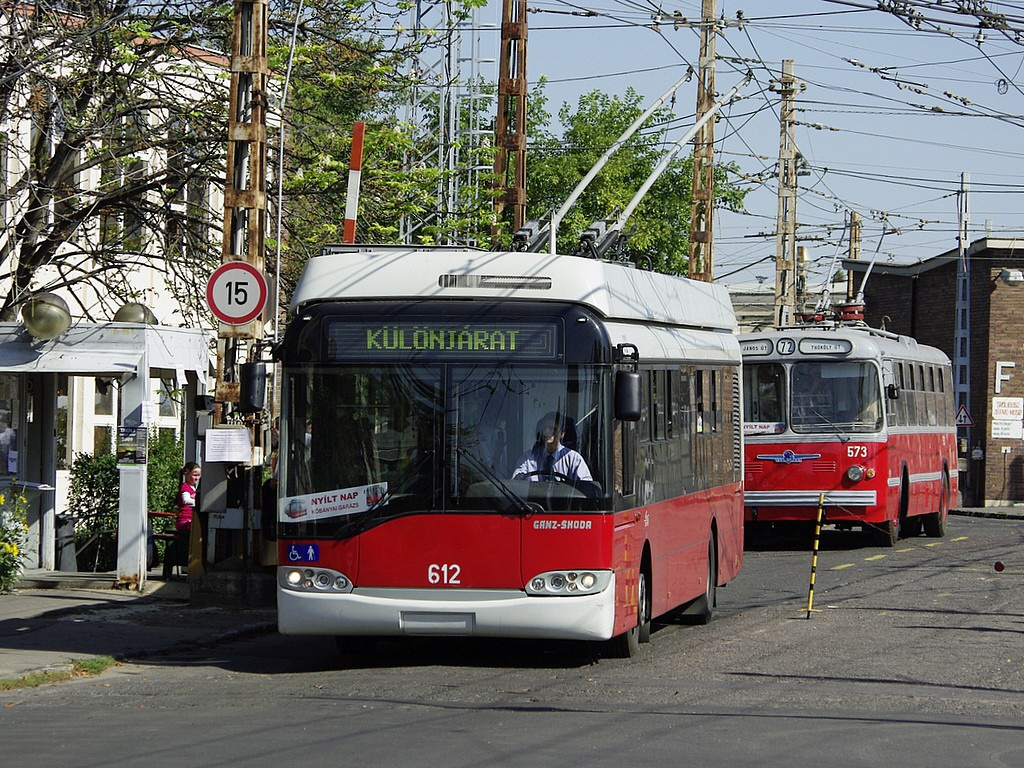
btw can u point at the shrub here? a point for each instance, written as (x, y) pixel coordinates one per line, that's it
(94, 497)
(13, 530)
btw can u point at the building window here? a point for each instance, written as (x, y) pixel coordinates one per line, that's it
(102, 440)
(9, 415)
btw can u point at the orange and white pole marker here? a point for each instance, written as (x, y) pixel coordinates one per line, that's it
(354, 169)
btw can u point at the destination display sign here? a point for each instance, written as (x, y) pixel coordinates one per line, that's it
(825, 346)
(350, 339)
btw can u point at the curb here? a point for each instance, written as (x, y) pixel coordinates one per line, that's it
(995, 513)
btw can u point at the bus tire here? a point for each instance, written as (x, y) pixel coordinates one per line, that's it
(644, 600)
(701, 610)
(935, 523)
(626, 645)
(888, 533)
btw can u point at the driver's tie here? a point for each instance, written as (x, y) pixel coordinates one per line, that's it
(549, 464)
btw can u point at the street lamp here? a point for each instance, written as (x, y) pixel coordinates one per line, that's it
(46, 316)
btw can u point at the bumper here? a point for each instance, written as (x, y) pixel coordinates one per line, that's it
(474, 613)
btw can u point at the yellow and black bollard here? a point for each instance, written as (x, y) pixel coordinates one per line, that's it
(814, 556)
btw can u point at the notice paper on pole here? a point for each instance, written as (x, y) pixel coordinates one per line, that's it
(231, 444)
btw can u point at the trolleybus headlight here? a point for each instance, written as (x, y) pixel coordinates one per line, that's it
(855, 473)
(569, 583)
(322, 580)
(314, 580)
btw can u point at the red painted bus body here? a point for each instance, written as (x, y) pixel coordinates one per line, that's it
(860, 418)
(410, 401)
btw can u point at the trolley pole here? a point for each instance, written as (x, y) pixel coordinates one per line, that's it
(814, 550)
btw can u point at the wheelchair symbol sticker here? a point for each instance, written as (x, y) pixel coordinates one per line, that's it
(304, 553)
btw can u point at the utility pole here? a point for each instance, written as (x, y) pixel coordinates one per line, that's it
(510, 122)
(854, 251)
(962, 332)
(702, 199)
(785, 238)
(245, 210)
(245, 187)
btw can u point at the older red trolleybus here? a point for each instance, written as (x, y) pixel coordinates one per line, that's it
(413, 380)
(862, 416)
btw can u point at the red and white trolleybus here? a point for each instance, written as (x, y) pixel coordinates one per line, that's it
(860, 415)
(414, 380)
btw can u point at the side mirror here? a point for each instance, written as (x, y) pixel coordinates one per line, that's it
(892, 391)
(627, 395)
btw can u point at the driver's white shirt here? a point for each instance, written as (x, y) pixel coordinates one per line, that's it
(567, 462)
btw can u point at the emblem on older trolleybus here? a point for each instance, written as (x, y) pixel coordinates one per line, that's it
(788, 457)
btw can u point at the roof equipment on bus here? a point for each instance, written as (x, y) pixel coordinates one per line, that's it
(556, 217)
(601, 237)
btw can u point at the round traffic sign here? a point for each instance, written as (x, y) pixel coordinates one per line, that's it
(236, 292)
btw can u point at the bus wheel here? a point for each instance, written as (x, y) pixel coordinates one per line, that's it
(702, 609)
(935, 523)
(644, 628)
(888, 533)
(626, 645)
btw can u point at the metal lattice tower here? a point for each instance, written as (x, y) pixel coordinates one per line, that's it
(450, 111)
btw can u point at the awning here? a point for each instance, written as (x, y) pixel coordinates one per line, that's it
(106, 349)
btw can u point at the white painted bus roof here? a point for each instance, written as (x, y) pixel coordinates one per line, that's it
(866, 342)
(615, 291)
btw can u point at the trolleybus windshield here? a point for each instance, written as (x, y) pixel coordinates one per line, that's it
(363, 444)
(835, 395)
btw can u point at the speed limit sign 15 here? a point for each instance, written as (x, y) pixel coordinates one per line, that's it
(236, 293)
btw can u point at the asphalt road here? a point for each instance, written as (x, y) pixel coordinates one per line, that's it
(913, 656)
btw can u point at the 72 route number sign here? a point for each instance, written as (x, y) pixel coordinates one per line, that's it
(236, 293)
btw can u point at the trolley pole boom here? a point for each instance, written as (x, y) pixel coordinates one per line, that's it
(558, 215)
(669, 156)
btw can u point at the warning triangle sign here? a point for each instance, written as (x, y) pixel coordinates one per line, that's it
(963, 418)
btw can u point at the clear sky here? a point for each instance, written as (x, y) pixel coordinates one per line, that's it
(892, 114)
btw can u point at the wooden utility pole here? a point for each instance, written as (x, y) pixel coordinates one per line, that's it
(785, 238)
(854, 252)
(510, 122)
(245, 212)
(702, 199)
(245, 188)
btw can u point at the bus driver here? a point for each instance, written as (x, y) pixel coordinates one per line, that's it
(549, 459)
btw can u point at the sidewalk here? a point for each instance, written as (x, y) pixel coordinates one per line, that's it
(53, 619)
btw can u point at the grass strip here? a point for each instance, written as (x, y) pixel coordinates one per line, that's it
(83, 668)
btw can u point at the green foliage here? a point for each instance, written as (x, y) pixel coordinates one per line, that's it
(659, 227)
(163, 476)
(94, 496)
(13, 530)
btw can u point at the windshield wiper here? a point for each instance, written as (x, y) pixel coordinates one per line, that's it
(521, 504)
(843, 437)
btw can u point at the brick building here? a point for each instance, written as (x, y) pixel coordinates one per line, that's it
(986, 327)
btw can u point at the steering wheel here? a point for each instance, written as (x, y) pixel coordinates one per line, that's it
(558, 476)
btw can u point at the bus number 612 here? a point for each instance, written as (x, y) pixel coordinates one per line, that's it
(444, 573)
